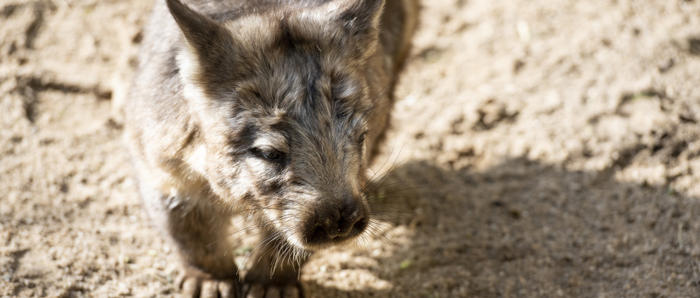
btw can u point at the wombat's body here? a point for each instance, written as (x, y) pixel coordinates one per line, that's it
(268, 108)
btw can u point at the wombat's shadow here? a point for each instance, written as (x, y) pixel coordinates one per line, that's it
(529, 229)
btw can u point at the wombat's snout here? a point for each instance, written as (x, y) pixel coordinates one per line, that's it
(337, 222)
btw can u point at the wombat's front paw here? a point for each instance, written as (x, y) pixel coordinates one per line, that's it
(196, 284)
(256, 290)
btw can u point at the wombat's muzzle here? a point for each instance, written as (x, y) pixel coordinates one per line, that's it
(336, 222)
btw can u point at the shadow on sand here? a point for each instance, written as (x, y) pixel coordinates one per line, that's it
(527, 229)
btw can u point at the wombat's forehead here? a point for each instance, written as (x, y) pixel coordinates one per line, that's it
(253, 30)
(275, 29)
(304, 125)
(307, 104)
(300, 85)
(289, 65)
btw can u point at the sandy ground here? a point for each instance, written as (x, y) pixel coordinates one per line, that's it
(538, 149)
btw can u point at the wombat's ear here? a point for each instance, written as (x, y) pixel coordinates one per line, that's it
(200, 31)
(210, 51)
(359, 19)
(210, 43)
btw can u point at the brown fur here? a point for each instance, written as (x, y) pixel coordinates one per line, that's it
(262, 107)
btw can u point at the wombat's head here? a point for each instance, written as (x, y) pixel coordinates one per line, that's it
(282, 99)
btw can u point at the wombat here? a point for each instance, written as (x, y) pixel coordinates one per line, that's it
(266, 108)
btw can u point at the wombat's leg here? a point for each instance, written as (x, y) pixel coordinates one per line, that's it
(274, 271)
(198, 231)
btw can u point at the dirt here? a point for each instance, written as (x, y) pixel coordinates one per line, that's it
(538, 149)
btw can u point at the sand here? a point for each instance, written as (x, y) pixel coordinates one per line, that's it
(537, 149)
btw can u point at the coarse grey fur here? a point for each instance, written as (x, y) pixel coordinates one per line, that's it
(266, 108)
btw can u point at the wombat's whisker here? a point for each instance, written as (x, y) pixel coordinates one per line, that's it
(391, 161)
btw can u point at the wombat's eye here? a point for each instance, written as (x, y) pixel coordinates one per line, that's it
(269, 154)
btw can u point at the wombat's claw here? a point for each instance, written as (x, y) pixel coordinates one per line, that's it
(272, 291)
(197, 286)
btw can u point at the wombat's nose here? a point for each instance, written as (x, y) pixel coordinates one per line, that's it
(353, 220)
(335, 225)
